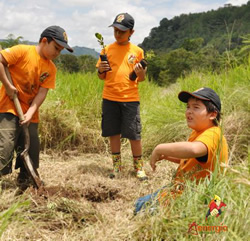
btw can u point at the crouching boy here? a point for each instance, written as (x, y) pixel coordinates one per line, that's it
(206, 146)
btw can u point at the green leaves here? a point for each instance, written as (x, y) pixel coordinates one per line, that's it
(100, 40)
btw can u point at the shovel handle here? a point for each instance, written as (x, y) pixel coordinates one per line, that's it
(26, 158)
(15, 99)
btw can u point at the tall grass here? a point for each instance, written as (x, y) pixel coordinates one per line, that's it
(71, 120)
(172, 222)
(6, 216)
(71, 115)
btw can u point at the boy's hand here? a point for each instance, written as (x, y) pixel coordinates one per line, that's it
(140, 71)
(11, 91)
(27, 119)
(103, 67)
(154, 158)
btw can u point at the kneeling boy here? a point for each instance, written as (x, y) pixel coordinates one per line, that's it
(206, 146)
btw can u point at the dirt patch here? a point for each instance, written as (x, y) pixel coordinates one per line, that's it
(101, 193)
(98, 193)
(56, 191)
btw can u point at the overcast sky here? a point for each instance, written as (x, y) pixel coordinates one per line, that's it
(83, 18)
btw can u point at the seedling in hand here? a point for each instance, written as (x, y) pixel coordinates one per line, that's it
(101, 42)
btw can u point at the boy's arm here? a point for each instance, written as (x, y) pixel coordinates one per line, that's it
(38, 100)
(177, 150)
(10, 89)
(140, 72)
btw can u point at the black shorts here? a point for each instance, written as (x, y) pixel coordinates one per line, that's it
(121, 118)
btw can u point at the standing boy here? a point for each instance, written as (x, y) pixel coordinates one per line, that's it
(206, 147)
(121, 106)
(33, 74)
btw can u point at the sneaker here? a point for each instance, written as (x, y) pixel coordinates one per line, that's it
(141, 175)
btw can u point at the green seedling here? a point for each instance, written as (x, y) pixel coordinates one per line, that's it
(100, 41)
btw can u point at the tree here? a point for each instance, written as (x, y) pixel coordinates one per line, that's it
(193, 45)
(87, 63)
(12, 41)
(67, 62)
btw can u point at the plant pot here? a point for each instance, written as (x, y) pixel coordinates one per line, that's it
(105, 58)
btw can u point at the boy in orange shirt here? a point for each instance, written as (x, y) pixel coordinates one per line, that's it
(33, 74)
(206, 146)
(121, 106)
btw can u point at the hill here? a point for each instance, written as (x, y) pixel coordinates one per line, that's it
(77, 50)
(222, 28)
(82, 51)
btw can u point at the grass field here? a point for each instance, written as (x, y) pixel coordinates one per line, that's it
(82, 203)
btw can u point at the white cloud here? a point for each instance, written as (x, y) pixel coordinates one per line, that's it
(236, 2)
(83, 18)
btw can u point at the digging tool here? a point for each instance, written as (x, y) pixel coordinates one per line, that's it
(24, 155)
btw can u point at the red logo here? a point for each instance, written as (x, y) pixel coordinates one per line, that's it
(214, 210)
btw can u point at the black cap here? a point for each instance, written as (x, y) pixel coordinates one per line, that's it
(59, 35)
(202, 94)
(123, 21)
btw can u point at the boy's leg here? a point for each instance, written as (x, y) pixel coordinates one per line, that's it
(115, 145)
(149, 201)
(8, 133)
(137, 159)
(131, 129)
(34, 151)
(136, 148)
(111, 127)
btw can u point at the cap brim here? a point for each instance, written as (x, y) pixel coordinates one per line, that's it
(184, 96)
(119, 26)
(65, 45)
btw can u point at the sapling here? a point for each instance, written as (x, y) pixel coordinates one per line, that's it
(101, 42)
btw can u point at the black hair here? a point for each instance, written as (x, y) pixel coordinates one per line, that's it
(212, 108)
(49, 39)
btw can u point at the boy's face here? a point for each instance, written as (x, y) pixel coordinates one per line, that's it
(122, 37)
(197, 116)
(51, 50)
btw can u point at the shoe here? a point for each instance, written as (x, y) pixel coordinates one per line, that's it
(141, 175)
(115, 172)
(24, 181)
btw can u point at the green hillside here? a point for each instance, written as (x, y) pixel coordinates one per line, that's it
(78, 51)
(216, 27)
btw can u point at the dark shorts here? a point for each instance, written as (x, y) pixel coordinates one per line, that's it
(121, 118)
(12, 139)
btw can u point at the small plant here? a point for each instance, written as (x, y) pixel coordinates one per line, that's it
(102, 56)
(100, 41)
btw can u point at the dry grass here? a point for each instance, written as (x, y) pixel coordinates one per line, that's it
(81, 202)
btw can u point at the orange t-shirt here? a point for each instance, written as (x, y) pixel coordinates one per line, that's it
(217, 152)
(117, 85)
(192, 168)
(29, 72)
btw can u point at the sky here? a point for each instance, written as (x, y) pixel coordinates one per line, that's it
(83, 18)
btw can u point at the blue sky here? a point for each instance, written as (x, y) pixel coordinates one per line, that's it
(83, 18)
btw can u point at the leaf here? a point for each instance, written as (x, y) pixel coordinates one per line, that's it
(100, 40)
(99, 36)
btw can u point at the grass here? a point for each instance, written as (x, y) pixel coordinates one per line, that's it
(82, 203)
(74, 108)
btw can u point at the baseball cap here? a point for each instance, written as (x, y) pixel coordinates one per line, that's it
(59, 36)
(123, 21)
(202, 94)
